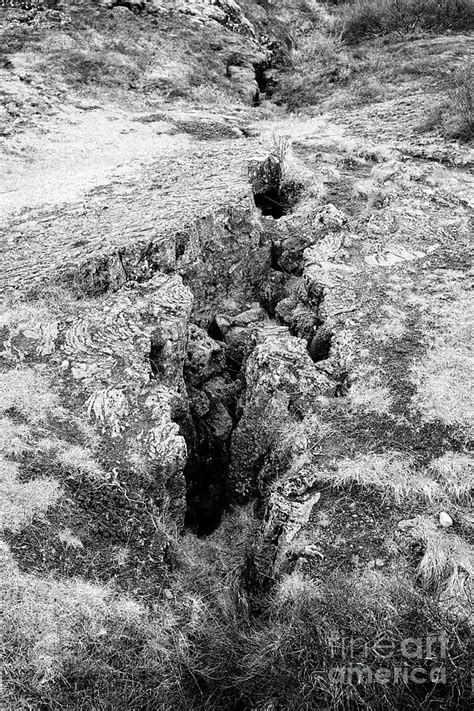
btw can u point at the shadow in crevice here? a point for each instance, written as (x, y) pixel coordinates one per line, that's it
(319, 347)
(205, 475)
(269, 203)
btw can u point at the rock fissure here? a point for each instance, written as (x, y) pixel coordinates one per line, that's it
(229, 436)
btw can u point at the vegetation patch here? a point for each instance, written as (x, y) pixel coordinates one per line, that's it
(454, 114)
(389, 472)
(441, 376)
(360, 19)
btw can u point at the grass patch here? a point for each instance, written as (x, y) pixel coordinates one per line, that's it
(361, 19)
(166, 56)
(295, 655)
(454, 115)
(77, 645)
(14, 438)
(21, 501)
(443, 374)
(455, 473)
(27, 393)
(390, 473)
(317, 65)
(95, 67)
(73, 644)
(83, 646)
(349, 60)
(369, 392)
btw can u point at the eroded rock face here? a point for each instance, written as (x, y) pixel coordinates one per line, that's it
(270, 456)
(216, 258)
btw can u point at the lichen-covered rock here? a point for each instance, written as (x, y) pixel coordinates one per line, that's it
(330, 218)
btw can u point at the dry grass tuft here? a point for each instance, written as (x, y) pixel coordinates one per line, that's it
(454, 115)
(455, 473)
(447, 559)
(294, 588)
(390, 473)
(212, 563)
(27, 393)
(21, 501)
(368, 392)
(79, 459)
(14, 439)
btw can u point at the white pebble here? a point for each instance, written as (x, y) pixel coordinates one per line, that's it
(445, 520)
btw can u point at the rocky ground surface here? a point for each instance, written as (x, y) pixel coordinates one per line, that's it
(207, 306)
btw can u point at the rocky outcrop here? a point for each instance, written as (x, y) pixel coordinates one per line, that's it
(282, 384)
(224, 12)
(217, 257)
(120, 360)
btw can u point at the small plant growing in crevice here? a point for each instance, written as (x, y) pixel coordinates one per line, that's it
(277, 182)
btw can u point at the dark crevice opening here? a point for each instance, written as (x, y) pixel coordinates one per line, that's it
(260, 76)
(234, 363)
(205, 475)
(319, 347)
(215, 332)
(155, 356)
(265, 82)
(269, 203)
(275, 253)
(233, 358)
(274, 196)
(208, 444)
(342, 388)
